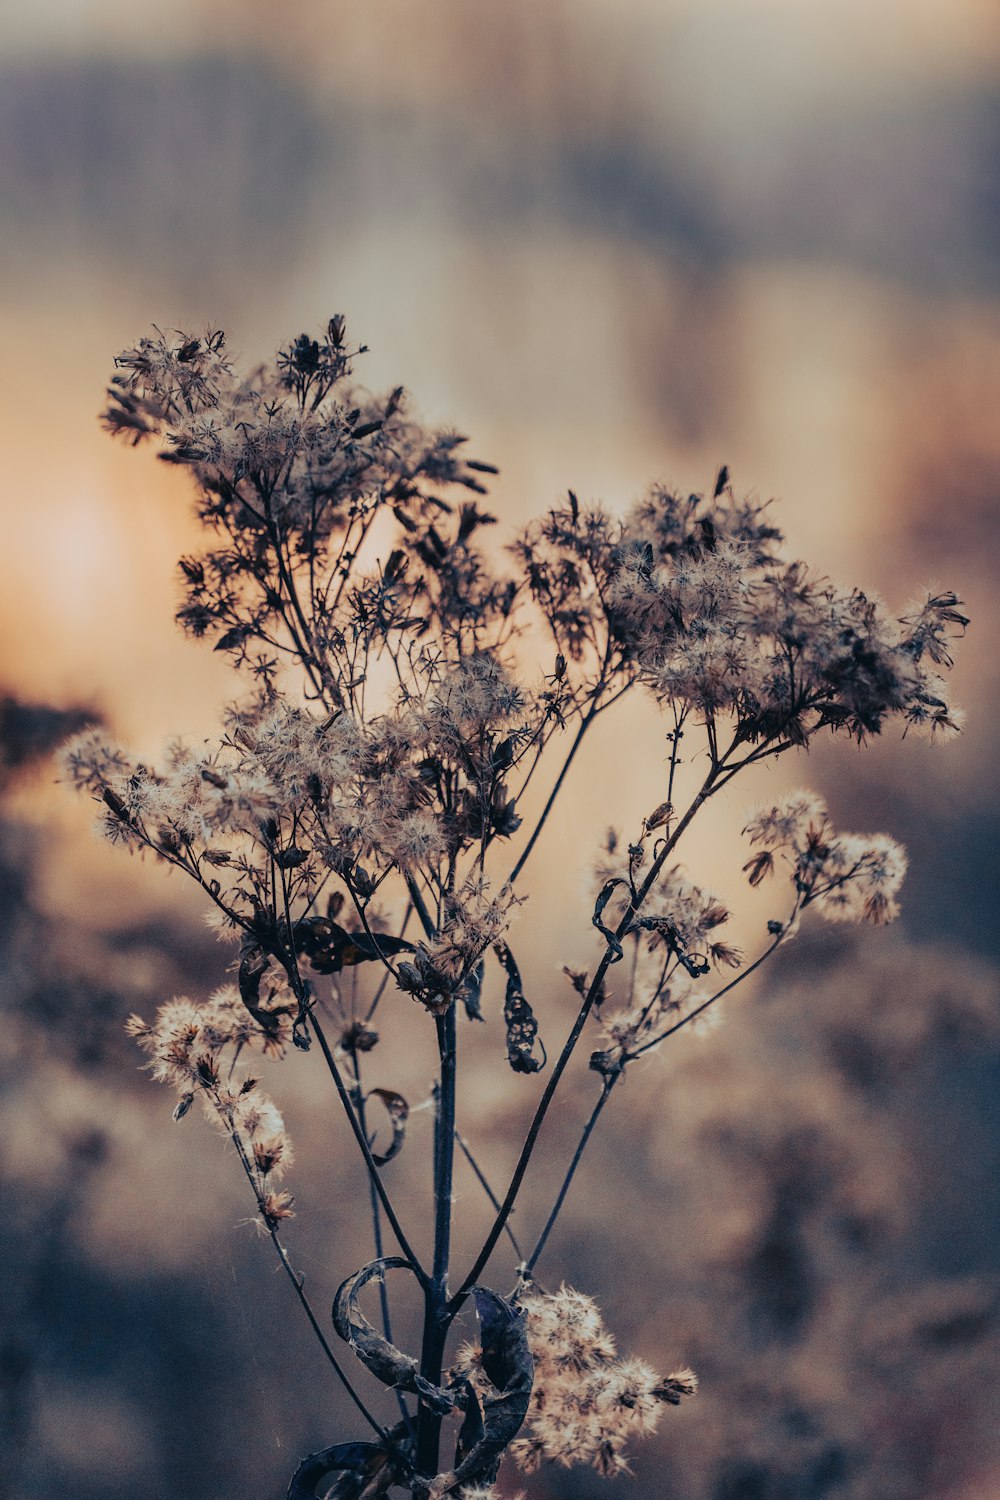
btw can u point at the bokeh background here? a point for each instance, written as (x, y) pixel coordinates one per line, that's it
(613, 240)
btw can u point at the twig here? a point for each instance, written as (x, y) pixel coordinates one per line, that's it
(585, 724)
(366, 1150)
(377, 1233)
(491, 1195)
(571, 1172)
(725, 990)
(297, 1283)
(570, 1046)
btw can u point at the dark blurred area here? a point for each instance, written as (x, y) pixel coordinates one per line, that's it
(613, 242)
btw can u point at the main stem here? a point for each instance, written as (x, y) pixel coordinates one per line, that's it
(436, 1314)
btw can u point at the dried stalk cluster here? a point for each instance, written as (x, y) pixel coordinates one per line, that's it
(354, 812)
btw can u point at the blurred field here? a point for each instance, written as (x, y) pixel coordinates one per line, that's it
(612, 242)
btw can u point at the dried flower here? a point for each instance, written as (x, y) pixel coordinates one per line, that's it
(587, 1403)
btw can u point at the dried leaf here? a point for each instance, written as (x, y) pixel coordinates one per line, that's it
(396, 565)
(471, 992)
(398, 1111)
(117, 806)
(387, 1363)
(253, 966)
(507, 1363)
(470, 516)
(231, 639)
(365, 430)
(360, 1461)
(519, 1018)
(472, 1430)
(330, 948)
(607, 891)
(660, 816)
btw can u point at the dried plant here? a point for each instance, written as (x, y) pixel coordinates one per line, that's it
(355, 812)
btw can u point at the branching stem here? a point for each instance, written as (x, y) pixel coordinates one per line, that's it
(376, 1212)
(595, 1115)
(297, 1284)
(570, 1044)
(366, 1150)
(466, 1150)
(584, 725)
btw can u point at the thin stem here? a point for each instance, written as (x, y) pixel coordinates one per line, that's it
(420, 907)
(377, 1229)
(571, 1041)
(369, 934)
(725, 990)
(297, 1283)
(366, 1151)
(675, 745)
(389, 973)
(491, 1195)
(571, 1172)
(633, 970)
(303, 642)
(300, 1293)
(585, 724)
(444, 1145)
(762, 752)
(357, 1127)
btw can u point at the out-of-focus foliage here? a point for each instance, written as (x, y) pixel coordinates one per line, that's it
(814, 1250)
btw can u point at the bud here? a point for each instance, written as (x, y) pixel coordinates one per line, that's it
(660, 815)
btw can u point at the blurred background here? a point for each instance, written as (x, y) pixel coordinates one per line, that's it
(612, 240)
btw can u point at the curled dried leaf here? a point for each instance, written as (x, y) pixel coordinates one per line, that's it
(398, 1111)
(254, 964)
(607, 891)
(387, 1363)
(507, 1363)
(471, 992)
(519, 1018)
(357, 1463)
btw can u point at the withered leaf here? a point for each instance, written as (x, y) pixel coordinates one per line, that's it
(472, 1429)
(360, 1461)
(117, 806)
(253, 966)
(398, 1111)
(471, 992)
(607, 891)
(233, 638)
(395, 567)
(365, 430)
(507, 1363)
(470, 516)
(387, 1363)
(519, 1018)
(330, 948)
